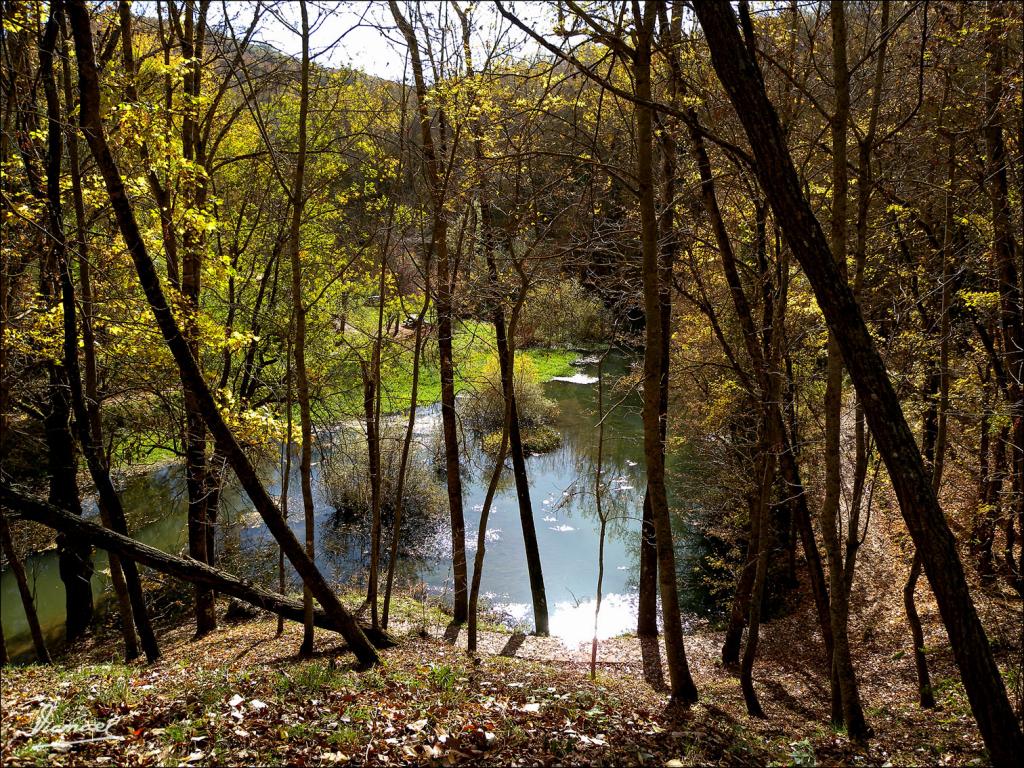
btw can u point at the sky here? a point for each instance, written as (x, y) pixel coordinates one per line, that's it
(361, 34)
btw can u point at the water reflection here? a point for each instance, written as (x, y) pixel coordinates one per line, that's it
(562, 493)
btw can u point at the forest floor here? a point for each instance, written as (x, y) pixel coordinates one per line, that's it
(241, 696)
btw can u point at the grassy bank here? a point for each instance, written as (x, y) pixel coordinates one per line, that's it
(472, 346)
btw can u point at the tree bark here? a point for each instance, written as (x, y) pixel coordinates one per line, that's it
(481, 534)
(443, 309)
(601, 516)
(18, 569)
(410, 428)
(90, 434)
(90, 373)
(76, 567)
(840, 569)
(506, 364)
(1004, 250)
(755, 350)
(683, 689)
(299, 346)
(647, 605)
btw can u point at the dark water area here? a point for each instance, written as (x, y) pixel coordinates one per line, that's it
(562, 490)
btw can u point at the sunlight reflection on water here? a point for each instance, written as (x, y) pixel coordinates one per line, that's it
(574, 624)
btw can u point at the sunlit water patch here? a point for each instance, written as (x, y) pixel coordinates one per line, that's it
(576, 378)
(573, 623)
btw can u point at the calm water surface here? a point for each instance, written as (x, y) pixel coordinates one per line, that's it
(561, 485)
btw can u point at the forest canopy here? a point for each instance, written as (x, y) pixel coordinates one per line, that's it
(712, 311)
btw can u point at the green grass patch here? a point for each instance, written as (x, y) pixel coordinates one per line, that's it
(473, 344)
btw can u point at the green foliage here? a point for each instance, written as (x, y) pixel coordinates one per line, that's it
(802, 754)
(484, 408)
(442, 676)
(311, 678)
(537, 439)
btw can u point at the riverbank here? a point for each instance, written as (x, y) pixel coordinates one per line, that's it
(240, 695)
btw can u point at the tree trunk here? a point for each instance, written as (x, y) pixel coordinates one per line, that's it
(89, 427)
(1004, 250)
(373, 451)
(286, 462)
(75, 559)
(683, 689)
(410, 427)
(924, 686)
(984, 530)
(741, 598)
(183, 568)
(372, 408)
(91, 377)
(481, 534)
(840, 570)
(443, 309)
(299, 348)
(598, 498)
(18, 569)
(647, 607)
(760, 541)
(741, 78)
(752, 342)
(506, 364)
(192, 194)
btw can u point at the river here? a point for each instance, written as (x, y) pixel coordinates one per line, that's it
(561, 485)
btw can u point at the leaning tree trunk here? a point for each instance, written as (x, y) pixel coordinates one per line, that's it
(410, 429)
(89, 428)
(184, 568)
(481, 535)
(787, 459)
(91, 377)
(741, 78)
(148, 278)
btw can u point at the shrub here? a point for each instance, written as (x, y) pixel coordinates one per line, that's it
(560, 314)
(484, 408)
